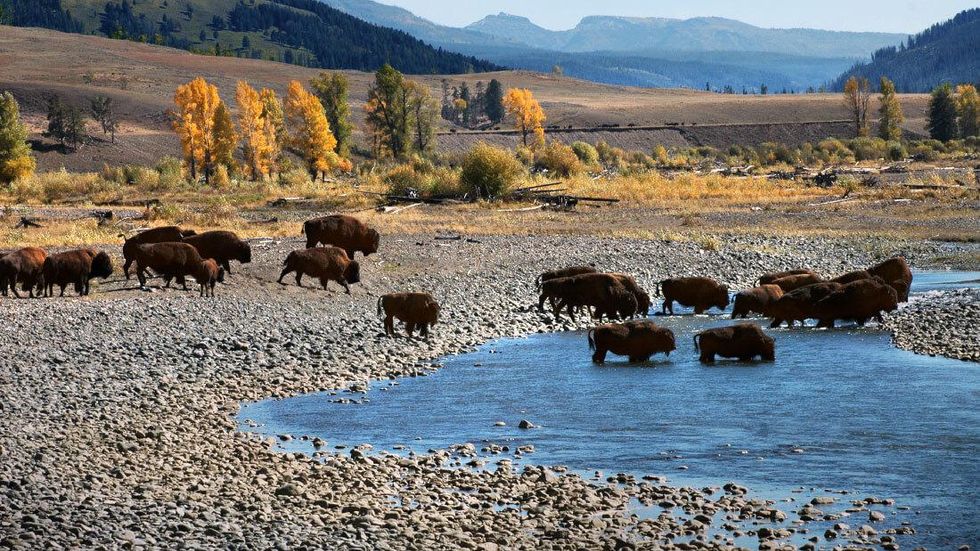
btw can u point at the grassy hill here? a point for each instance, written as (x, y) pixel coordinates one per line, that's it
(141, 79)
(302, 32)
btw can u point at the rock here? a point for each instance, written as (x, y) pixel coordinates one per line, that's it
(876, 516)
(525, 424)
(289, 489)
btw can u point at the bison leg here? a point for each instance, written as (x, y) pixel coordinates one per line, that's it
(183, 281)
(776, 322)
(571, 312)
(698, 310)
(299, 278)
(350, 254)
(141, 275)
(126, 265)
(409, 328)
(389, 325)
(226, 264)
(541, 300)
(311, 242)
(62, 293)
(285, 271)
(425, 330)
(599, 356)
(706, 356)
(343, 282)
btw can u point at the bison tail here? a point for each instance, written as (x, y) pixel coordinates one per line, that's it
(697, 347)
(302, 230)
(591, 339)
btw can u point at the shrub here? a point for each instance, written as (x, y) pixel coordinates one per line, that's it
(609, 155)
(560, 159)
(772, 153)
(869, 149)
(896, 151)
(489, 171)
(55, 186)
(524, 154)
(586, 153)
(833, 150)
(403, 180)
(923, 152)
(661, 156)
(221, 179)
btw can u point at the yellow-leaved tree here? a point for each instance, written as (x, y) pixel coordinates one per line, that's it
(204, 127)
(310, 131)
(528, 115)
(16, 161)
(258, 143)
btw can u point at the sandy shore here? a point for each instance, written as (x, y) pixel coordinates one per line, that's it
(119, 410)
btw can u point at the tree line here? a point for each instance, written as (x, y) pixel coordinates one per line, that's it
(482, 107)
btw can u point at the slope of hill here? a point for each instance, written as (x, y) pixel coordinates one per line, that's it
(141, 80)
(945, 52)
(302, 32)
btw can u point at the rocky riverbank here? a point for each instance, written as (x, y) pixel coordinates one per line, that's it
(942, 323)
(119, 411)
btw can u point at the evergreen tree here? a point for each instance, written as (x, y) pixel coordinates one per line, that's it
(941, 118)
(66, 123)
(333, 90)
(494, 107)
(15, 153)
(890, 113)
(104, 114)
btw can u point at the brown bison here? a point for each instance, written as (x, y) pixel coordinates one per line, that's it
(641, 296)
(758, 299)
(222, 246)
(857, 301)
(416, 310)
(636, 339)
(76, 268)
(22, 266)
(766, 279)
(163, 234)
(856, 275)
(208, 275)
(702, 293)
(170, 260)
(324, 263)
(340, 230)
(603, 292)
(564, 272)
(799, 304)
(896, 272)
(793, 282)
(744, 341)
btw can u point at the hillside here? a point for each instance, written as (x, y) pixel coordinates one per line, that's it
(141, 79)
(945, 52)
(301, 32)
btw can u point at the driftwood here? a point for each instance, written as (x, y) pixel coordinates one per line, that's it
(449, 237)
(26, 222)
(283, 201)
(272, 220)
(146, 203)
(396, 210)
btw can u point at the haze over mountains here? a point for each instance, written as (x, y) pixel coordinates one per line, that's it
(647, 51)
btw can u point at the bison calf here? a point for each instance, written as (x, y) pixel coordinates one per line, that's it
(340, 230)
(324, 263)
(758, 299)
(23, 266)
(637, 339)
(208, 275)
(416, 310)
(744, 341)
(701, 293)
(76, 268)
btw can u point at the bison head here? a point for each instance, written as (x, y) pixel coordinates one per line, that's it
(721, 300)
(101, 266)
(221, 274)
(768, 351)
(625, 304)
(353, 272)
(374, 240)
(643, 303)
(244, 253)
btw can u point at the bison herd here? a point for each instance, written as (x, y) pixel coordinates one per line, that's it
(791, 296)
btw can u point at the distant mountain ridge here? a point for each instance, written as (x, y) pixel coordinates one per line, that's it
(945, 52)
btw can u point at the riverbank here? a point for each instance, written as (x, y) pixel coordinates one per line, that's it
(943, 323)
(119, 408)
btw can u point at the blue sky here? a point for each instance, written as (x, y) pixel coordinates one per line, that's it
(901, 16)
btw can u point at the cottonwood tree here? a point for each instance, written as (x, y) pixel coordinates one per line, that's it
(104, 113)
(258, 145)
(857, 99)
(16, 161)
(890, 112)
(528, 115)
(66, 123)
(423, 111)
(968, 110)
(941, 116)
(310, 131)
(333, 90)
(204, 127)
(387, 112)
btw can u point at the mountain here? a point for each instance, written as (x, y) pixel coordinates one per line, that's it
(300, 32)
(945, 52)
(632, 34)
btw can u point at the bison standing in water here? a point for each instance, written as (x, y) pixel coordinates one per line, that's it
(324, 263)
(163, 234)
(637, 339)
(222, 246)
(604, 292)
(793, 282)
(416, 310)
(340, 230)
(895, 272)
(800, 304)
(858, 301)
(744, 341)
(758, 299)
(702, 293)
(22, 266)
(76, 268)
(766, 279)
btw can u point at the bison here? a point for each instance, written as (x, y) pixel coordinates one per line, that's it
(858, 301)
(636, 339)
(793, 282)
(222, 246)
(744, 341)
(799, 304)
(23, 266)
(702, 293)
(163, 234)
(641, 296)
(563, 272)
(856, 275)
(896, 272)
(324, 263)
(766, 279)
(758, 299)
(170, 260)
(340, 230)
(604, 292)
(208, 275)
(76, 268)
(416, 310)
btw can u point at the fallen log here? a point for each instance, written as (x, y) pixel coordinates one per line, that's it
(26, 222)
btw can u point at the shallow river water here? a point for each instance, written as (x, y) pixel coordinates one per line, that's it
(838, 410)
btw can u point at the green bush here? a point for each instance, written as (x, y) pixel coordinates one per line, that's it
(869, 149)
(771, 153)
(488, 171)
(559, 159)
(586, 153)
(896, 151)
(609, 155)
(923, 152)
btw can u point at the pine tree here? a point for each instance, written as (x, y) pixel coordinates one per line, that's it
(311, 135)
(968, 110)
(16, 161)
(66, 123)
(528, 116)
(941, 118)
(890, 113)
(495, 102)
(333, 90)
